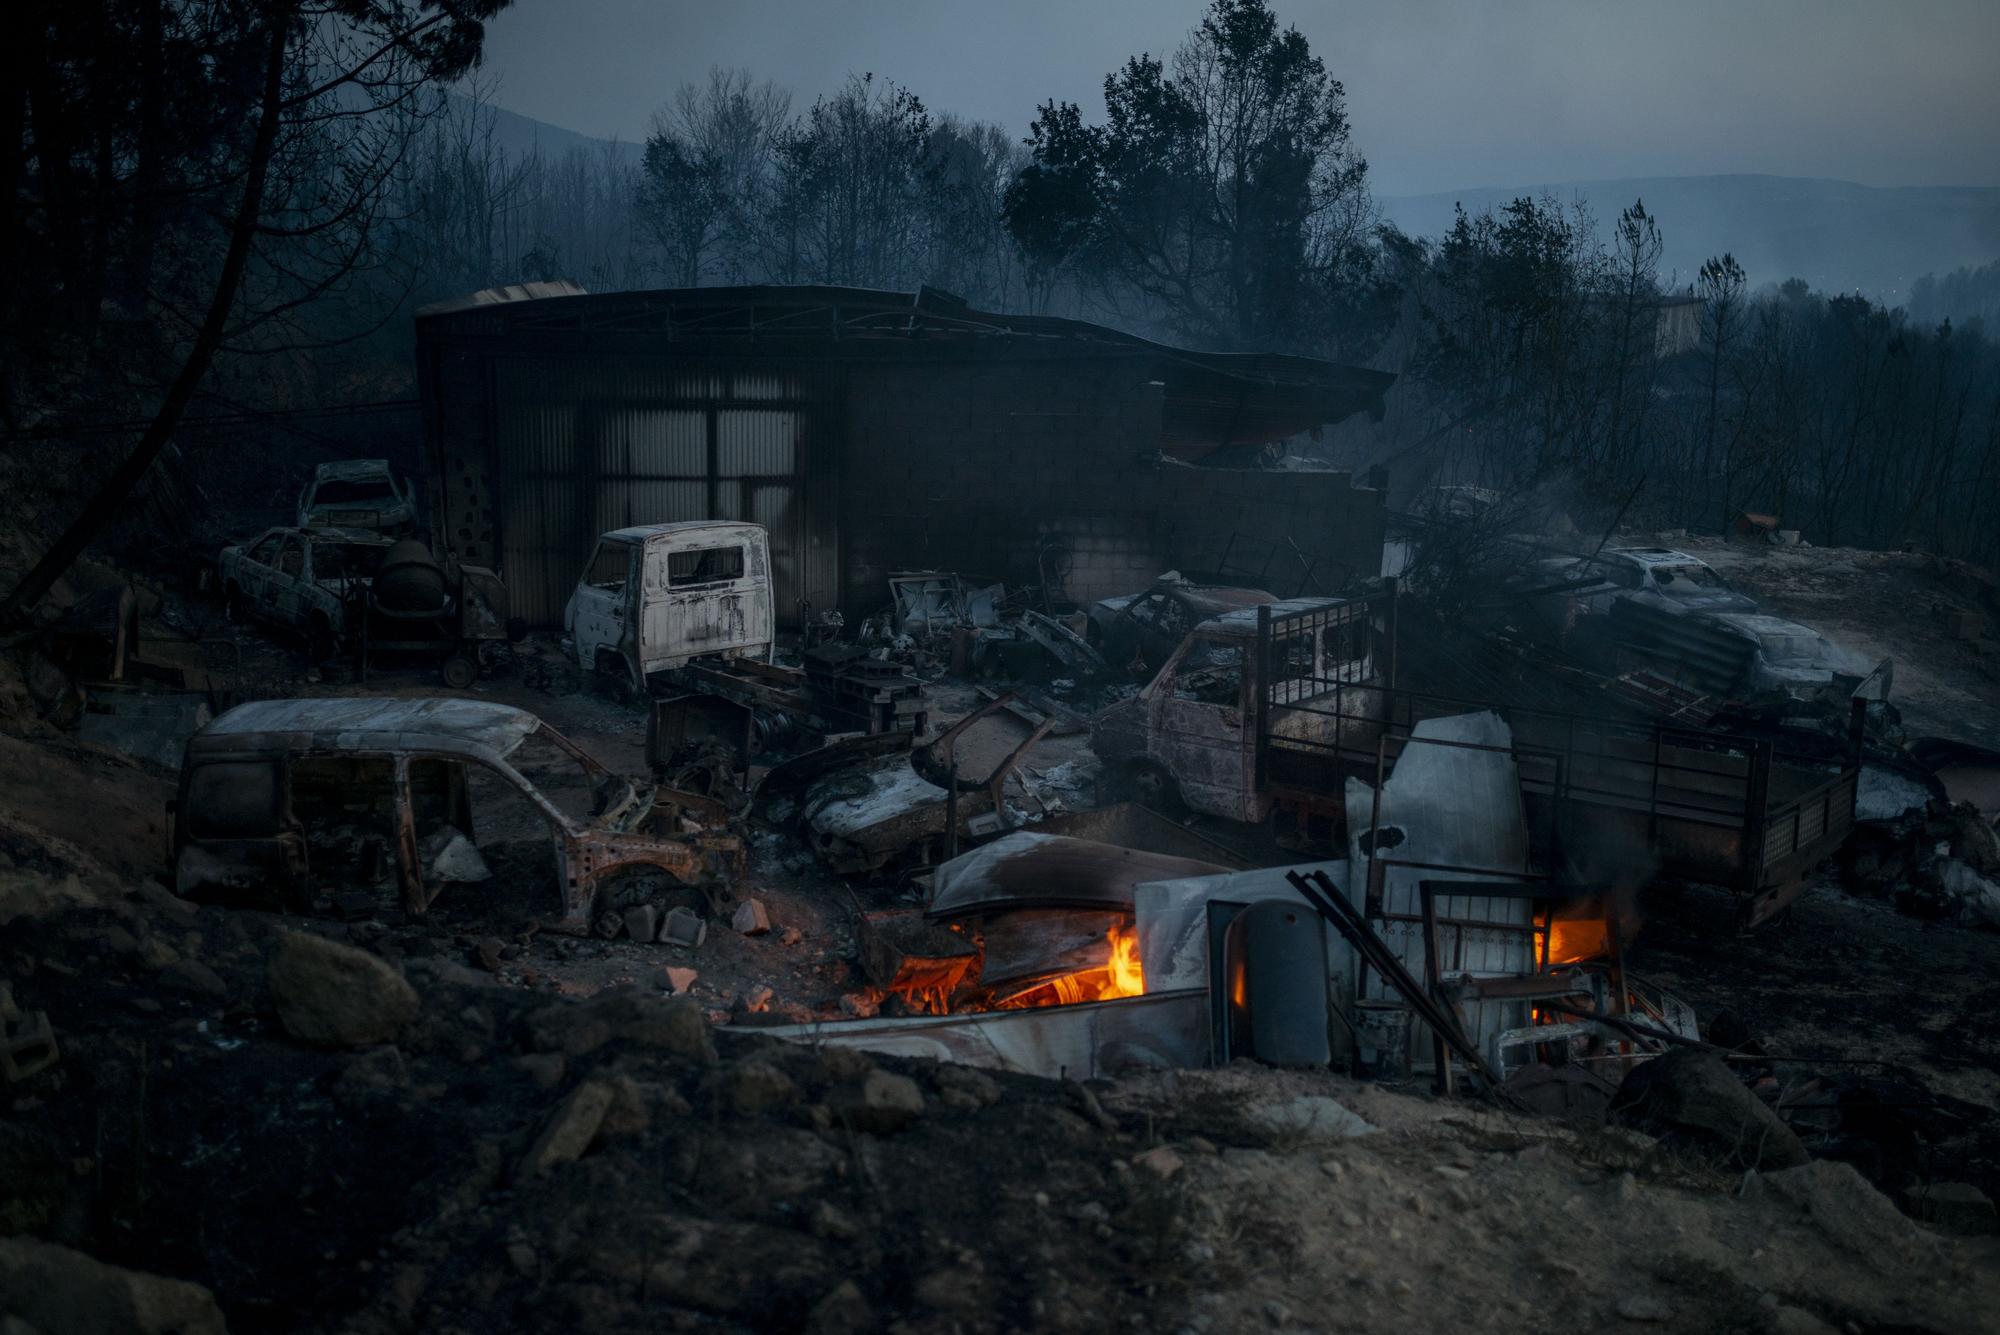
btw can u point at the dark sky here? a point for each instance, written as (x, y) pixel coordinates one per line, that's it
(1443, 94)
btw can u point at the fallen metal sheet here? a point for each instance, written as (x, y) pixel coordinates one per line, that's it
(1029, 869)
(1454, 804)
(1081, 1042)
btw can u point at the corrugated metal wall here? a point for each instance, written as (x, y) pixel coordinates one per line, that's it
(583, 446)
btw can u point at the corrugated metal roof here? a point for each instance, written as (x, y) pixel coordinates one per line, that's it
(1210, 399)
(494, 296)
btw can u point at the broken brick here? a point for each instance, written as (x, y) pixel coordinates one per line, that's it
(751, 918)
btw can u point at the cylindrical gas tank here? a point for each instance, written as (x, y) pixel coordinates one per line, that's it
(410, 579)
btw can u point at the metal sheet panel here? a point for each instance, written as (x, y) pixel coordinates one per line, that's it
(1082, 1042)
(1455, 803)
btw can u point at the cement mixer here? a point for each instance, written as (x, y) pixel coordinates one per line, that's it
(418, 605)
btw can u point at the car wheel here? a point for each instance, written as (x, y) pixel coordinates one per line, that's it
(614, 678)
(460, 670)
(1150, 785)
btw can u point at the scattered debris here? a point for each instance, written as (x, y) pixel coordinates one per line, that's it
(684, 927)
(642, 922)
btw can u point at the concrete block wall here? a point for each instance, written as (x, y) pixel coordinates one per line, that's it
(1009, 469)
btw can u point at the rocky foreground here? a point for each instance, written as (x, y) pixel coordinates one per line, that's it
(255, 1124)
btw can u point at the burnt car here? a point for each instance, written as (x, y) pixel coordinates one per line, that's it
(1147, 627)
(307, 579)
(1658, 577)
(1796, 660)
(282, 802)
(358, 493)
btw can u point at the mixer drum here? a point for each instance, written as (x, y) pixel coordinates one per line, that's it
(410, 580)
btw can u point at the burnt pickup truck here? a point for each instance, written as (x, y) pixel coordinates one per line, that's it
(1191, 737)
(1281, 706)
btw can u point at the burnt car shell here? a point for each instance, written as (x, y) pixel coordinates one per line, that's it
(300, 576)
(358, 493)
(239, 820)
(1150, 625)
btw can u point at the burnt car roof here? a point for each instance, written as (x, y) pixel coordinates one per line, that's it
(349, 470)
(1218, 599)
(316, 533)
(647, 532)
(478, 728)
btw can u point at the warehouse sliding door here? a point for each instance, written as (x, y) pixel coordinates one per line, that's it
(584, 447)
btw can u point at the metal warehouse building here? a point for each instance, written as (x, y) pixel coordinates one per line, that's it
(872, 432)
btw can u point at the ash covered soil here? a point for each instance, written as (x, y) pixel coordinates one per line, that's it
(479, 1157)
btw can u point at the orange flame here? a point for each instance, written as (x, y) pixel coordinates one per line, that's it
(1125, 977)
(1572, 940)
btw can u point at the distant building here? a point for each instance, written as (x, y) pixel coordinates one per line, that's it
(872, 432)
(1676, 325)
(1676, 321)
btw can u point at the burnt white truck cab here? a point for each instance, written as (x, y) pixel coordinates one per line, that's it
(659, 596)
(1191, 737)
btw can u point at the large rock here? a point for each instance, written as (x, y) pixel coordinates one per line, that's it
(1693, 1096)
(570, 1128)
(673, 1026)
(338, 996)
(880, 1101)
(55, 1289)
(750, 1087)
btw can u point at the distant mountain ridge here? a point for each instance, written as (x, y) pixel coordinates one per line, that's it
(521, 135)
(1837, 235)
